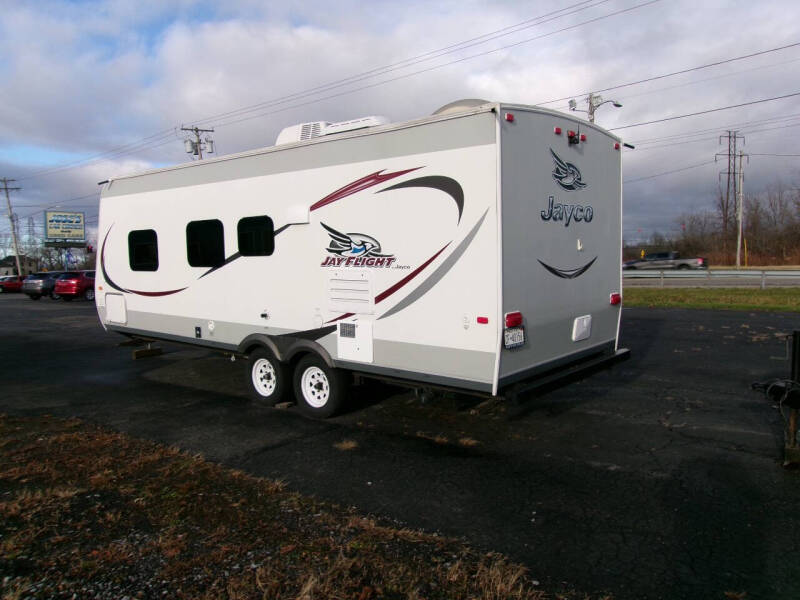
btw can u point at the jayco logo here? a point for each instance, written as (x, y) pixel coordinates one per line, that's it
(567, 212)
(566, 175)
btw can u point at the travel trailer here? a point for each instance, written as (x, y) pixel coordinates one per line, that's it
(477, 249)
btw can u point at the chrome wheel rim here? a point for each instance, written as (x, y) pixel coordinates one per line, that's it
(264, 379)
(315, 386)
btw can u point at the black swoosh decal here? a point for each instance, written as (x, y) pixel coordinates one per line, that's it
(103, 263)
(438, 182)
(568, 273)
(311, 334)
(236, 255)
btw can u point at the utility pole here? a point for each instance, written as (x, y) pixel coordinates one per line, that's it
(732, 138)
(197, 146)
(740, 200)
(11, 219)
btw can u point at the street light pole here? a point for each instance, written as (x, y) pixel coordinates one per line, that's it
(594, 101)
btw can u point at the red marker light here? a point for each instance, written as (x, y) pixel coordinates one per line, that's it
(483, 320)
(557, 130)
(583, 137)
(616, 145)
(616, 298)
(509, 117)
(571, 133)
(513, 319)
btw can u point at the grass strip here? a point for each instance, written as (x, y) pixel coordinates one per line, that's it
(90, 513)
(770, 299)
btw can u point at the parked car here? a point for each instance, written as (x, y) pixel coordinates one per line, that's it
(79, 284)
(11, 283)
(41, 284)
(664, 261)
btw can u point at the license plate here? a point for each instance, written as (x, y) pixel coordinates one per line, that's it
(513, 337)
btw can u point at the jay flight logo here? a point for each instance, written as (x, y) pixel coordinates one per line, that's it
(355, 250)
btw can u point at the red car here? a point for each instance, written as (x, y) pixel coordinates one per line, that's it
(11, 283)
(75, 285)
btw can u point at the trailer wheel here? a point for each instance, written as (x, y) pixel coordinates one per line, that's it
(321, 391)
(266, 376)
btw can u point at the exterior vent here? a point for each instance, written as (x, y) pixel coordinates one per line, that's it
(307, 131)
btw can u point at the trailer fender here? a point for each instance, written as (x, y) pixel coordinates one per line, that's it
(284, 347)
(295, 346)
(254, 340)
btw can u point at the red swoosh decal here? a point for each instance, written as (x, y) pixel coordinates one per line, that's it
(389, 291)
(358, 185)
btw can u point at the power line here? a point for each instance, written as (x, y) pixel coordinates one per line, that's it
(436, 67)
(706, 139)
(433, 54)
(681, 72)
(710, 162)
(702, 131)
(705, 112)
(108, 154)
(762, 154)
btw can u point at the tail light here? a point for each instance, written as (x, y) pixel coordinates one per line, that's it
(514, 333)
(701, 261)
(616, 298)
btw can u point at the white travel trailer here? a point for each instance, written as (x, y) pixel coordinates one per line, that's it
(476, 249)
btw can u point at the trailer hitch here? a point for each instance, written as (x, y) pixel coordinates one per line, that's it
(786, 392)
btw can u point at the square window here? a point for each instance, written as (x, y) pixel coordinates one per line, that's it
(205, 243)
(143, 250)
(256, 236)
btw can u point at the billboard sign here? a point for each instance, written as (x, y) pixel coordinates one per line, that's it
(65, 227)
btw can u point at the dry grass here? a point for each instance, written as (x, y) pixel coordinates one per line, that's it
(346, 445)
(468, 442)
(83, 508)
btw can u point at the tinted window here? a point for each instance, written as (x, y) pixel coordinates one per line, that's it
(69, 276)
(89, 274)
(256, 236)
(205, 246)
(143, 250)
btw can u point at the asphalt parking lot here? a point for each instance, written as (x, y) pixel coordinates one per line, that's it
(661, 478)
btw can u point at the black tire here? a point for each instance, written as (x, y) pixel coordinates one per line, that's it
(35, 297)
(54, 296)
(267, 377)
(320, 390)
(683, 267)
(89, 294)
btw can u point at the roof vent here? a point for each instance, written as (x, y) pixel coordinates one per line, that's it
(306, 131)
(460, 106)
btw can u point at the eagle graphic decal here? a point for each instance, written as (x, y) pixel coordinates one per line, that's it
(352, 244)
(566, 175)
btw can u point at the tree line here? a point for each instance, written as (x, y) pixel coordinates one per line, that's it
(770, 230)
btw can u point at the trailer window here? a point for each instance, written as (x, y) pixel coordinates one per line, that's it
(205, 246)
(143, 250)
(256, 236)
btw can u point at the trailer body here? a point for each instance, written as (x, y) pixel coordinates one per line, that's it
(474, 249)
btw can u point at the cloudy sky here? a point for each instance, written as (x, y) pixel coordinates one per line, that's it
(93, 89)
